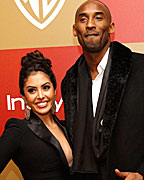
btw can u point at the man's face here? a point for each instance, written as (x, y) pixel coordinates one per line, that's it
(93, 26)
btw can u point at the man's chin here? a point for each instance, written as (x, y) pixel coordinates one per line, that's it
(93, 49)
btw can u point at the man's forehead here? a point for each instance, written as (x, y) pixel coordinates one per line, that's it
(93, 6)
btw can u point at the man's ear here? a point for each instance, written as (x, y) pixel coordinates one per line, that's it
(112, 28)
(74, 30)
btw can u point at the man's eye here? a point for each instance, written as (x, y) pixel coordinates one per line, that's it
(46, 87)
(83, 19)
(31, 90)
(99, 18)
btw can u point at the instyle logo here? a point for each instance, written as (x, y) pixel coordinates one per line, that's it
(11, 103)
(40, 12)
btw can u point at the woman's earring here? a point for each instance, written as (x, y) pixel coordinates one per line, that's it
(54, 105)
(27, 111)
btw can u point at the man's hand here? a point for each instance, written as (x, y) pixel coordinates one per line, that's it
(129, 175)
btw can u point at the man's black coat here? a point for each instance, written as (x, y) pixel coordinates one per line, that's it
(123, 117)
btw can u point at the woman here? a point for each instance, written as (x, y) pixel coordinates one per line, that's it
(39, 144)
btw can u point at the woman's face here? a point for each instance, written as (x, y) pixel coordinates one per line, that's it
(39, 93)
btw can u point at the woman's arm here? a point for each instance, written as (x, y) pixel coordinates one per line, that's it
(9, 142)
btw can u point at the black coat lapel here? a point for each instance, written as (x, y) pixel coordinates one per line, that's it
(38, 128)
(119, 72)
(97, 125)
(69, 91)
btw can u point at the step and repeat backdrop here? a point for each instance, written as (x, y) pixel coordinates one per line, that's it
(46, 25)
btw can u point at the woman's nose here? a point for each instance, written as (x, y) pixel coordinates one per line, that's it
(40, 94)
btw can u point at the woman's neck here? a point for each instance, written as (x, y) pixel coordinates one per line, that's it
(48, 120)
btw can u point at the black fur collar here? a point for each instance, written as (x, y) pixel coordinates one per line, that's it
(119, 72)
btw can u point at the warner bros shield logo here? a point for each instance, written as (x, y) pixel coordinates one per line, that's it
(40, 12)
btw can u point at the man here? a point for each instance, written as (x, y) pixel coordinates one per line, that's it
(103, 100)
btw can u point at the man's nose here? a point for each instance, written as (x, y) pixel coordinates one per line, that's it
(91, 23)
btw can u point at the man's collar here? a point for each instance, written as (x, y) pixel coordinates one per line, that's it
(104, 60)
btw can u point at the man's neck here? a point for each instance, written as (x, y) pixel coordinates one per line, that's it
(93, 60)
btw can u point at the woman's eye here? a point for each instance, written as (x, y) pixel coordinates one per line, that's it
(46, 87)
(31, 90)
